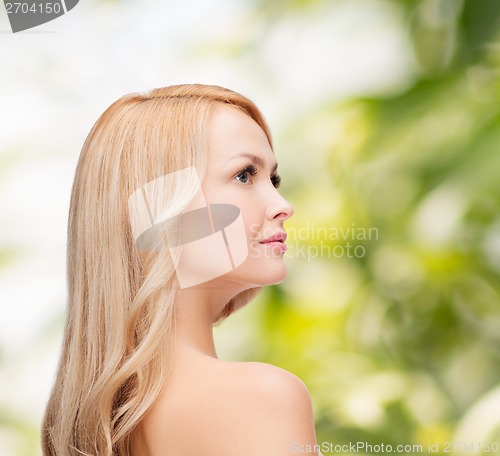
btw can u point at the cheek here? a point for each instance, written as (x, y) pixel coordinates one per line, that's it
(250, 211)
(252, 220)
(219, 194)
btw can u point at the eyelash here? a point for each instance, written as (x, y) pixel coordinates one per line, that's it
(252, 170)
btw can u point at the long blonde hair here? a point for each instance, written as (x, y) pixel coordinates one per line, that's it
(119, 327)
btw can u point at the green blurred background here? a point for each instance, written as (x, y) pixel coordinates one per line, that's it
(386, 121)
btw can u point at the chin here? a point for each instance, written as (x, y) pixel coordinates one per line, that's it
(276, 276)
(257, 274)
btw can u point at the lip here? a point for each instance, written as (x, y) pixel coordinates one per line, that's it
(277, 241)
(278, 237)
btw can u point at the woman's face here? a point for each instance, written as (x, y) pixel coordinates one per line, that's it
(242, 172)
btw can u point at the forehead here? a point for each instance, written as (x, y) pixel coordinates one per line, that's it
(232, 132)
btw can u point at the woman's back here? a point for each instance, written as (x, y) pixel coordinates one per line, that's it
(214, 408)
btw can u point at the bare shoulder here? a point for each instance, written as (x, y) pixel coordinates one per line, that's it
(267, 409)
(234, 408)
(268, 384)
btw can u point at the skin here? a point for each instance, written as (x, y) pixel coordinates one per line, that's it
(209, 406)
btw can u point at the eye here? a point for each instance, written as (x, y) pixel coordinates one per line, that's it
(249, 169)
(276, 180)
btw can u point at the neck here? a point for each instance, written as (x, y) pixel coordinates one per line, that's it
(196, 310)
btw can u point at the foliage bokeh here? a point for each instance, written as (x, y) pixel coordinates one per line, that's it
(399, 340)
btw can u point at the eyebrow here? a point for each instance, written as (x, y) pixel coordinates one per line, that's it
(256, 160)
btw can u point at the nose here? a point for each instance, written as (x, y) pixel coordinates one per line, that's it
(279, 208)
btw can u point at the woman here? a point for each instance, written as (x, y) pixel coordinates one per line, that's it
(175, 222)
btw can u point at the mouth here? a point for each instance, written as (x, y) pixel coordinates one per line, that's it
(276, 242)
